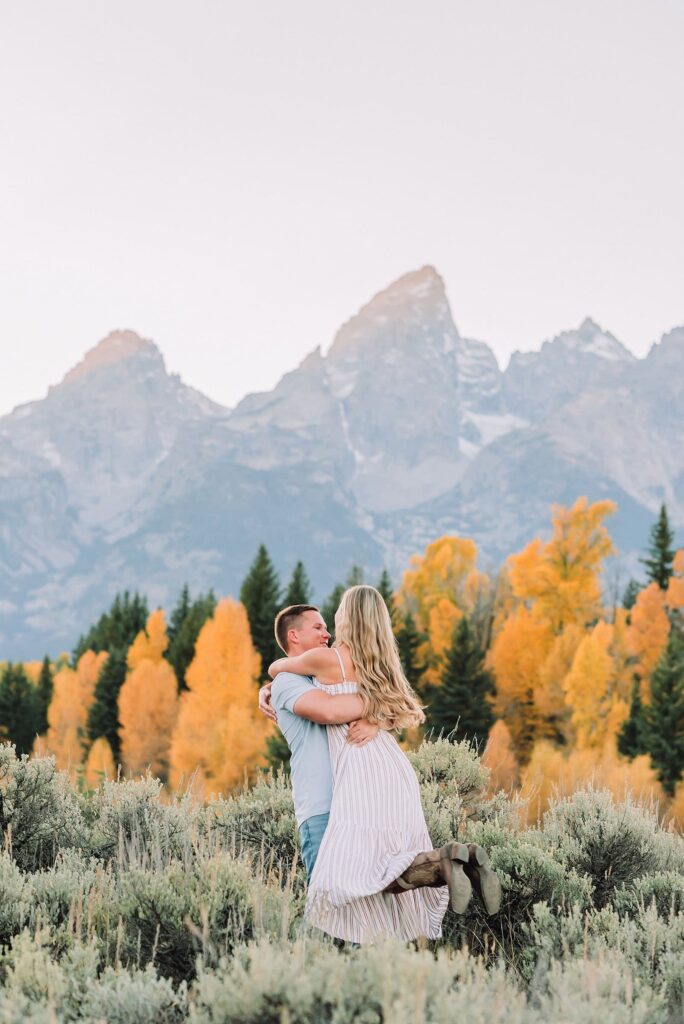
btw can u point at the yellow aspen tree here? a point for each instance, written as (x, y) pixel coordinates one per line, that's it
(67, 715)
(562, 577)
(500, 758)
(442, 620)
(441, 572)
(148, 702)
(542, 778)
(549, 694)
(220, 732)
(504, 601)
(647, 635)
(552, 772)
(674, 596)
(88, 669)
(516, 658)
(437, 588)
(588, 687)
(100, 763)
(151, 642)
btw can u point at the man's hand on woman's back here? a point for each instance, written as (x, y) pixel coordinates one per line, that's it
(265, 702)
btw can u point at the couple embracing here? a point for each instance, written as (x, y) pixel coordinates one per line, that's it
(370, 863)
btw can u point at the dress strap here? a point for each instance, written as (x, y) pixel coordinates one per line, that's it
(339, 658)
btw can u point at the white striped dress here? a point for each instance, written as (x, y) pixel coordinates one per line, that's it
(376, 828)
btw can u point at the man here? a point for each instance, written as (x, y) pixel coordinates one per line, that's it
(302, 712)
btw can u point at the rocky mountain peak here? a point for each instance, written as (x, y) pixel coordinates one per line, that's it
(591, 339)
(418, 297)
(669, 349)
(117, 347)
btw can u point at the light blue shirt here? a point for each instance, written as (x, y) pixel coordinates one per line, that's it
(308, 742)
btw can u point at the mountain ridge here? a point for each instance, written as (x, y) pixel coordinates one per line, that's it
(125, 477)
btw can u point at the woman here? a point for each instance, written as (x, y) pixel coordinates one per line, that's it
(377, 826)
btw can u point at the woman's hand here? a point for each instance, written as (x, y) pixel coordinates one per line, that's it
(362, 732)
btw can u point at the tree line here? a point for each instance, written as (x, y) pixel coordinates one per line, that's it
(531, 661)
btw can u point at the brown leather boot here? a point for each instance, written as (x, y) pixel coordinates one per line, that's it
(483, 878)
(439, 867)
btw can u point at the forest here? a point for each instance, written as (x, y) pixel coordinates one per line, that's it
(554, 684)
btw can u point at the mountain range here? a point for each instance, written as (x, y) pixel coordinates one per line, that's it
(123, 477)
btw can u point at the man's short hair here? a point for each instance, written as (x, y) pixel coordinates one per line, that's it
(287, 619)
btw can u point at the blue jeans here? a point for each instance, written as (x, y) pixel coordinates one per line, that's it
(311, 835)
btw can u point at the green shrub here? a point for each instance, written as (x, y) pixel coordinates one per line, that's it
(665, 889)
(597, 990)
(611, 844)
(650, 947)
(32, 972)
(135, 997)
(529, 875)
(200, 908)
(260, 820)
(16, 898)
(63, 892)
(308, 982)
(40, 987)
(132, 821)
(39, 809)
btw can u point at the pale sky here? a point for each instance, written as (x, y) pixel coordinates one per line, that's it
(234, 180)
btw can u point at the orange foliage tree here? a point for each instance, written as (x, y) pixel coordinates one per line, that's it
(220, 732)
(148, 701)
(554, 594)
(100, 763)
(588, 689)
(552, 771)
(647, 636)
(500, 758)
(674, 597)
(517, 659)
(439, 587)
(68, 711)
(561, 578)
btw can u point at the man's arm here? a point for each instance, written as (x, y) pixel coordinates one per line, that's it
(329, 708)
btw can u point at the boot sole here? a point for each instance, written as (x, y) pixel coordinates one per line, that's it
(460, 889)
(489, 883)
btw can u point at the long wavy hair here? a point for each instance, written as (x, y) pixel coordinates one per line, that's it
(363, 623)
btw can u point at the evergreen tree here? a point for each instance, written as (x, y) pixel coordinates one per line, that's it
(278, 752)
(299, 587)
(387, 591)
(180, 612)
(330, 607)
(664, 716)
(409, 640)
(631, 738)
(460, 705)
(19, 709)
(660, 551)
(116, 628)
(355, 576)
(260, 596)
(44, 691)
(630, 595)
(103, 716)
(186, 621)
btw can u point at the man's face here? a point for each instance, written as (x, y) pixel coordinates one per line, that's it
(310, 633)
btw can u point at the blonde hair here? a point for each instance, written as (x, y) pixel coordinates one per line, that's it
(366, 629)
